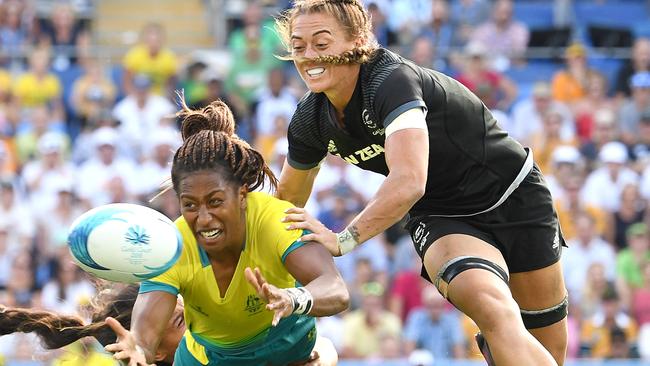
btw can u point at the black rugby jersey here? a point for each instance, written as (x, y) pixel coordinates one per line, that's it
(472, 161)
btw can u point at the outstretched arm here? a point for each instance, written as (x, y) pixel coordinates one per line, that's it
(295, 185)
(151, 314)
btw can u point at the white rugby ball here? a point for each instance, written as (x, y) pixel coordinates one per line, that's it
(124, 242)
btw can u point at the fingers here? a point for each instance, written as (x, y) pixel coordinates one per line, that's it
(308, 237)
(252, 279)
(294, 218)
(122, 355)
(117, 327)
(260, 278)
(278, 315)
(295, 210)
(115, 347)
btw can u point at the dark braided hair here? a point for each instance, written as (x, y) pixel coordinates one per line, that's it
(58, 330)
(210, 143)
(350, 14)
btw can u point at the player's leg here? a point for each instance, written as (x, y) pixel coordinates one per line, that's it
(327, 355)
(542, 297)
(472, 274)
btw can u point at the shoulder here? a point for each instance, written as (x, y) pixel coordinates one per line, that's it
(265, 210)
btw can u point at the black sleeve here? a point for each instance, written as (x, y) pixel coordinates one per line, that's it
(401, 91)
(306, 150)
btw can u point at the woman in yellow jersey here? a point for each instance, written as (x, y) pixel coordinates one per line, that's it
(234, 316)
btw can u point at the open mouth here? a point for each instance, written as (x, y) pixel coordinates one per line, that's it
(210, 234)
(316, 71)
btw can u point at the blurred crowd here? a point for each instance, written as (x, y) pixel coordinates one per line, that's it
(77, 131)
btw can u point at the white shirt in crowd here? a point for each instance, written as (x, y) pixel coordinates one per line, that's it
(602, 191)
(577, 260)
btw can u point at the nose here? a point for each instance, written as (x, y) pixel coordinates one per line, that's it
(203, 218)
(310, 52)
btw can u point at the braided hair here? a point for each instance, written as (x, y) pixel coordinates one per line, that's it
(350, 14)
(210, 143)
(58, 330)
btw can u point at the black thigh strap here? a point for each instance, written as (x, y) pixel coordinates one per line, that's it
(461, 264)
(543, 318)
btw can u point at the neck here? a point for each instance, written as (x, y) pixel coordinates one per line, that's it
(340, 97)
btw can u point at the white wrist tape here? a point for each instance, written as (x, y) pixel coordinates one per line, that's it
(302, 299)
(346, 241)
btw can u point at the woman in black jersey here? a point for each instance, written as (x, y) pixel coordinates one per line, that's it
(480, 214)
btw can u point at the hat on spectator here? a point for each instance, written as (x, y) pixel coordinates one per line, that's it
(542, 90)
(475, 49)
(165, 136)
(211, 74)
(640, 80)
(604, 117)
(613, 152)
(575, 50)
(105, 136)
(420, 357)
(566, 154)
(61, 185)
(51, 142)
(141, 81)
(637, 229)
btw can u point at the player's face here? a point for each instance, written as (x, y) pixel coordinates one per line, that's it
(214, 208)
(319, 34)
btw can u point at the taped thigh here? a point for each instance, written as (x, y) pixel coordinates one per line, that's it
(545, 317)
(458, 265)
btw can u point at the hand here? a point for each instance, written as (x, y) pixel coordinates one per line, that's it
(300, 219)
(277, 300)
(125, 348)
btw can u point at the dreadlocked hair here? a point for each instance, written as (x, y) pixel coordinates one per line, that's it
(350, 14)
(210, 142)
(58, 330)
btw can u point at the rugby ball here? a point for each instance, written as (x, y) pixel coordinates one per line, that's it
(124, 242)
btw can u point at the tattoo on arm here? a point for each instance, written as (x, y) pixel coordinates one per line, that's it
(355, 232)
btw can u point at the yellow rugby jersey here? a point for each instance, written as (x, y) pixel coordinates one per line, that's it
(238, 317)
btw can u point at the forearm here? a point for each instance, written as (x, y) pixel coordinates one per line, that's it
(392, 201)
(330, 295)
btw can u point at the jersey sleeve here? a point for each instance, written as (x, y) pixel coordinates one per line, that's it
(171, 280)
(397, 94)
(305, 150)
(285, 241)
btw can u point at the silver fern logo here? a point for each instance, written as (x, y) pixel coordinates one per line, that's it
(331, 147)
(136, 235)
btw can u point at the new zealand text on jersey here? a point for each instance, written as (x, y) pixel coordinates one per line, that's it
(364, 154)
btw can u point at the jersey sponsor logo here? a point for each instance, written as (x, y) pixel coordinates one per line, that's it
(364, 154)
(331, 147)
(420, 235)
(365, 116)
(253, 304)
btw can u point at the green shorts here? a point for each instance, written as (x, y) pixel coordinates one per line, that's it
(290, 341)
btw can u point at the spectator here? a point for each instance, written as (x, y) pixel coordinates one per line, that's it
(139, 113)
(605, 130)
(640, 306)
(566, 163)
(587, 248)
(596, 331)
(84, 352)
(69, 289)
(630, 111)
(363, 329)
(38, 86)
(439, 31)
(570, 85)
(154, 170)
(506, 37)
(620, 347)
(527, 114)
(152, 58)
(40, 121)
(276, 100)
(494, 89)
(257, 32)
(595, 99)
(604, 185)
(639, 62)
(434, 329)
(385, 36)
(591, 296)
(570, 206)
(16, 214)
(630, 212)
(629, 262)
(193, 86)
(548, 139)
(467, 15)
(640, 150)
(64, 34)
(92, 93)
(13, 34)
(423, 53)
(408, 17)
(21, 282)
(96, 176)
(406, 290)
(8, 251)
(40, 175)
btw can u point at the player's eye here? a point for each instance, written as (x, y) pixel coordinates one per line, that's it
(215, 202)
(298, 48)
(321, 45)
(189, 205)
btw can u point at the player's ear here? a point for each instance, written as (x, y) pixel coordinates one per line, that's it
(243, 192)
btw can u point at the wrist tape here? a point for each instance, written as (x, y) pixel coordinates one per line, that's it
(302, 300)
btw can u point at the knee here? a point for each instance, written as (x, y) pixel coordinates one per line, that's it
(495, 310)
